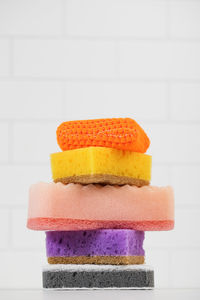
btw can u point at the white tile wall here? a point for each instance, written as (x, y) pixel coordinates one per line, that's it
(27, 17)
(184, 235)
(4, 225)
(31, 101)
(159, 259)
(140, 18)
(30, 147)
(21, 176)
(22, 237)
(4, 149)
(185, 20)
(21, 269)
(183, 178)
(135, 97)
(71, 59)
(174, 143)
(185, 101)
(185, 274)
(159, 59)
(5, 57)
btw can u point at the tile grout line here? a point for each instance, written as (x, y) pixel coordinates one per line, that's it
(63, 18)
(10, 141)
(25, 249)
(117, 60)
(11, 57)
(10, 228)
(170, 281)
(168, 20)
(110, 38)
(145, 121)
(98, 79)
(168, 96)
(64, 100)
(156, 164)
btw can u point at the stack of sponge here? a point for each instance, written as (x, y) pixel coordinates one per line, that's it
(98, 207)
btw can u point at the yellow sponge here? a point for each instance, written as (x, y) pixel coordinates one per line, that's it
(101, 165)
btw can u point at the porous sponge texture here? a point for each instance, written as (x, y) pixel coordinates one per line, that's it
(97, 260)
(77, 224)
(105, 242)
(100, 160)
(55, 206)
(98, 276)
(118, 133)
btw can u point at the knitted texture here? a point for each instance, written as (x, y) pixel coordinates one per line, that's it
(118, 133)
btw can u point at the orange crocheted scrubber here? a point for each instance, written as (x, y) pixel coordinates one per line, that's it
(118, 133)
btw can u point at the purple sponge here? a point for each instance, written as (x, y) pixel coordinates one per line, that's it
(106, 242)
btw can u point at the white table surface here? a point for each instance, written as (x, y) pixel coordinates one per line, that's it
(157, 294)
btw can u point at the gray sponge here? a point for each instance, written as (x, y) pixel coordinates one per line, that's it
(98, 276)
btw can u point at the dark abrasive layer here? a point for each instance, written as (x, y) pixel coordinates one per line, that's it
(99, 278)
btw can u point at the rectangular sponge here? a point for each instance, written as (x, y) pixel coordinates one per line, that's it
(106, 246)
(55, 206)
(101, 165)
(98, 276)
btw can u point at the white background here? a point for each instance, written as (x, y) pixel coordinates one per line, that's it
(79, 59)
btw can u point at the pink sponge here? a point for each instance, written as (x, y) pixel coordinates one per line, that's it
(54, 206)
